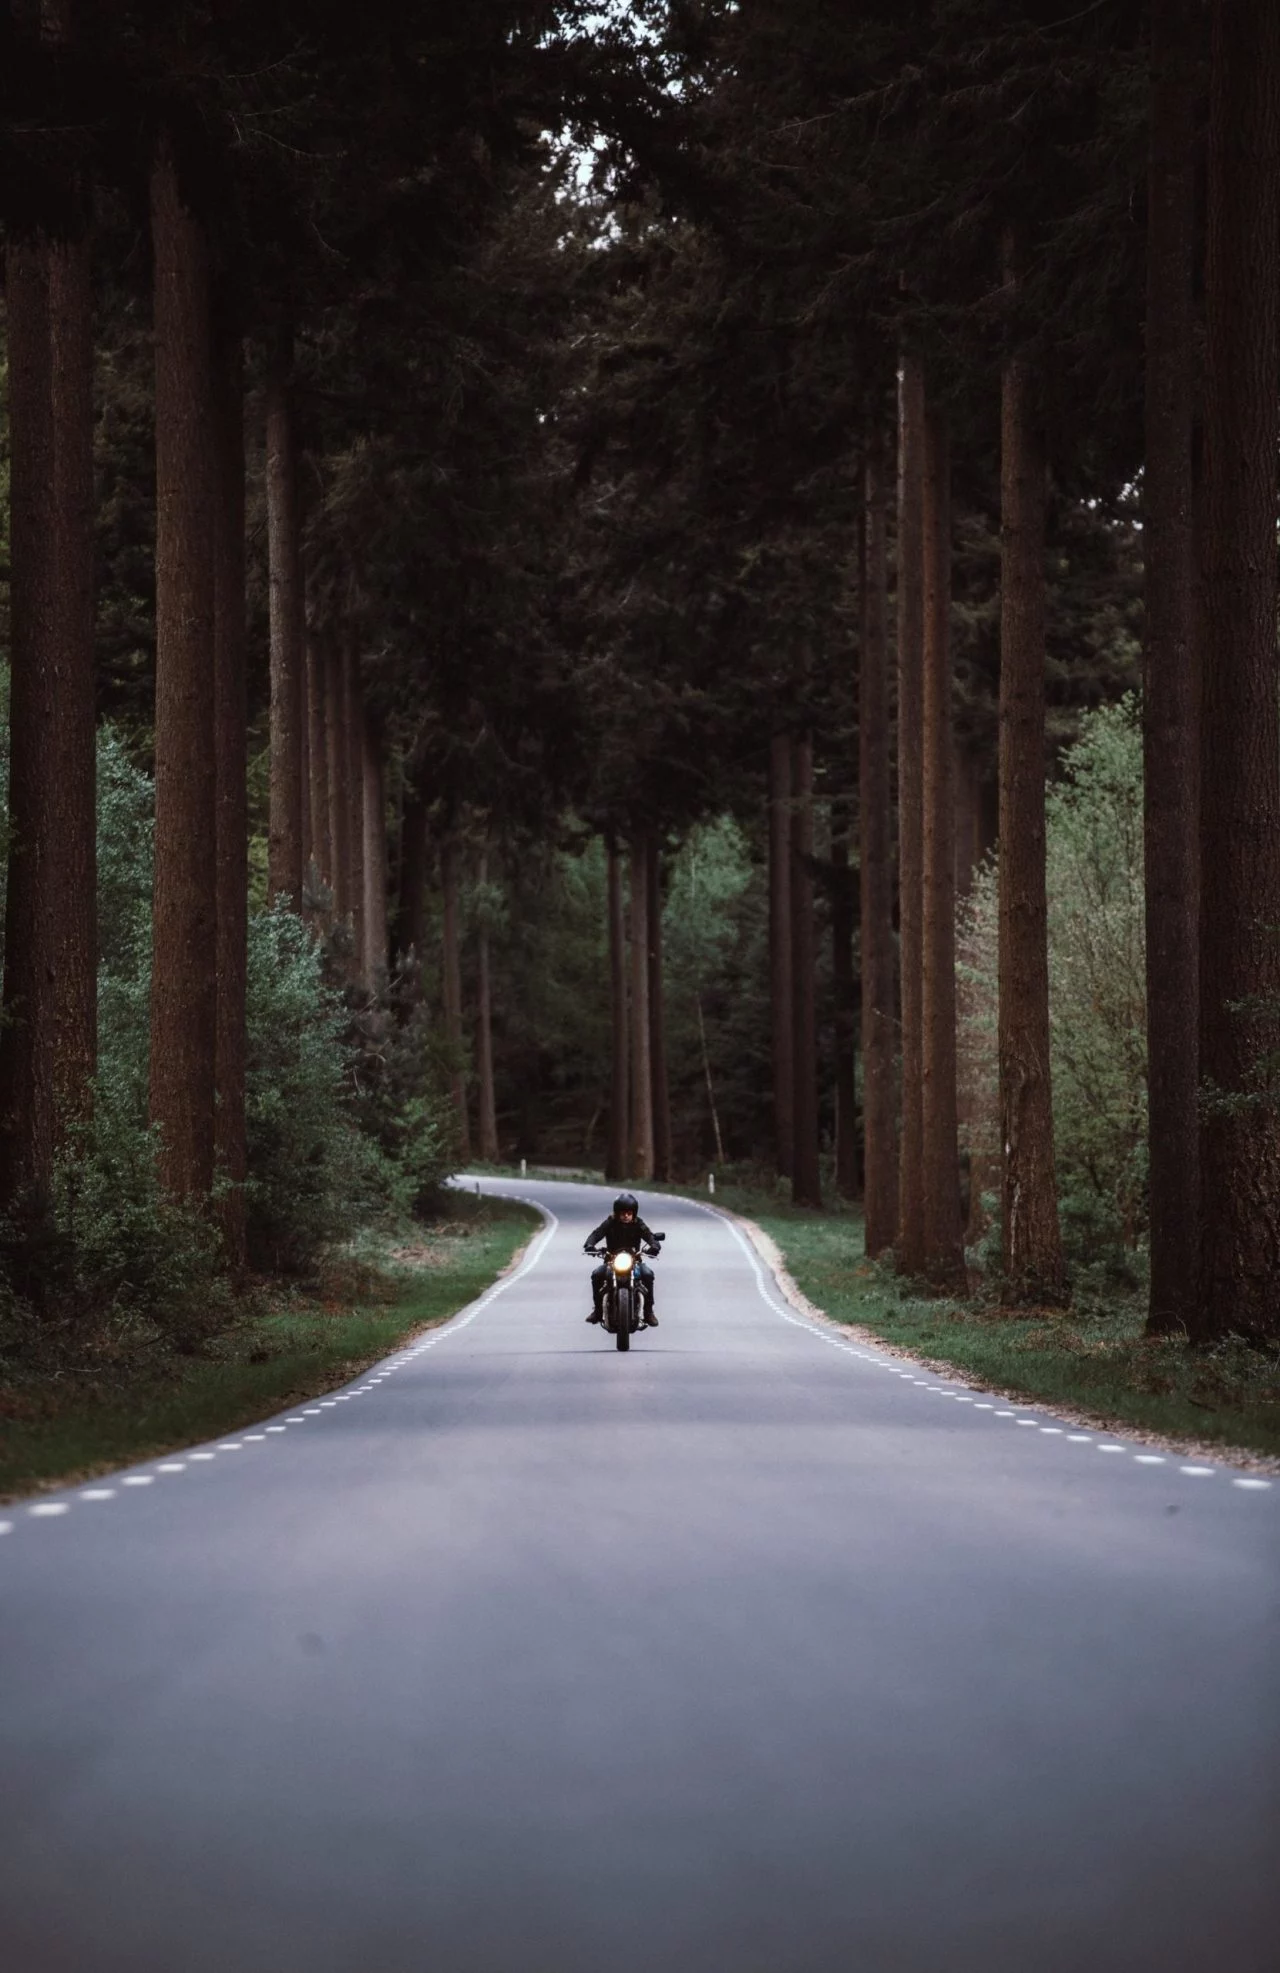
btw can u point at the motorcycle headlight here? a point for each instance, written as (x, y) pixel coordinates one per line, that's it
(623, 1263)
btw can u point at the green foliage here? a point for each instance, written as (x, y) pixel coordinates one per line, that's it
(715, 930)
(344, 1120)
(1096, 996)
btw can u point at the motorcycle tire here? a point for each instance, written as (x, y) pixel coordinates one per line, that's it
(624, 1319)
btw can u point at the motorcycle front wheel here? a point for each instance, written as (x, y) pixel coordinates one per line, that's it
(624, 1319)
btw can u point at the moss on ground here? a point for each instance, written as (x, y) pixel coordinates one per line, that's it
(120, 1399)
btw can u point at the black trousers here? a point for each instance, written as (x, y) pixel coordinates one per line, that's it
(601, 1274)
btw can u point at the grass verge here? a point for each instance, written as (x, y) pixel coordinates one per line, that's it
(1093, 1361)
(117, 1404)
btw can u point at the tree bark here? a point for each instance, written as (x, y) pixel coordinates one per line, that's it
(879, 1023)
(374, 819)
(451, 968)
(1239, 1287)
(845, 993)
(641, 1050)
(617, 1156)
(285, 865)
(415, 861)
(48, 1045)
(939, 1128)
(335, 754)
(319, 809)
(484, 1033)
(780, 955)
(1170, 695)
(28, 1115)
(657, 1017)
(806, 1181)
(911, 447)
(230, 747)
(184, 965)
(1032, 1241)
(352, 784)
(310, 869)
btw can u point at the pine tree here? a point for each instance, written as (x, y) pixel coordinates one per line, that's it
(909, 1246)
(641, 1033)
(657, 1017)
(845, 1009)
(183, 976)
(879, 1023)
(286, 867)
(781, 951)
(1240, 758)
(230, 745)
(617, 1156)
(1170, 694)
(374, 827)
(486, 1103)
(806, 1182)
(940, 1161)
(48, 1043)
(1033, 1261)
(451, 970)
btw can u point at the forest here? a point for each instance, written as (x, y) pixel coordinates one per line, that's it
(670, 588)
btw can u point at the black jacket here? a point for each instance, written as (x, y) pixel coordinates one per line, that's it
(621, 1238)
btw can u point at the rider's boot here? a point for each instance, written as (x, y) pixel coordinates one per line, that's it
(595, 1315)
(650, 1319)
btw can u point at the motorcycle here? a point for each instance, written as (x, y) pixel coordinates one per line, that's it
(623, 1307)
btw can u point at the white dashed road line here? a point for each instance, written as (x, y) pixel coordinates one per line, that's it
(51, 1509)
(923, 1383)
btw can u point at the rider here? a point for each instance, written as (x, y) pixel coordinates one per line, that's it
(623, 1231)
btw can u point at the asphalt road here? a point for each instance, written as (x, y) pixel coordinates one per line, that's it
(752, 1651)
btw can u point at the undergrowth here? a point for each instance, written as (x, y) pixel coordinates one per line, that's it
(94, 1397)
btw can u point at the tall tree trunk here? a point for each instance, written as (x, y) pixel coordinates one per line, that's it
(230, 746)
(335, 755)
(1032, 1240)
(911, 449)
(451, 968)
(484, 1031)
(310, 867)
(657, 1017)
(641, 1050)
(780, 956)
(318, 805)
(1240, 759)
(48, 1044)
(72, 847)
(184, 965)
(375, 853)
(806, 1181)
(1170, 696)
(352, 780)
(845, 988)
(939, 1129)
(619, 1147)
(415, 861)
(879, 1023)
(28, 1111)
(285, 865)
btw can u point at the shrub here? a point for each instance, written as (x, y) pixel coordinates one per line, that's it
(1097, 1000)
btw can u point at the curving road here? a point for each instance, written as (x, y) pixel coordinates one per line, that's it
(754, 1651)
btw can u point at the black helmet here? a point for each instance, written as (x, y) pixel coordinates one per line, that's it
(626, 1202)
